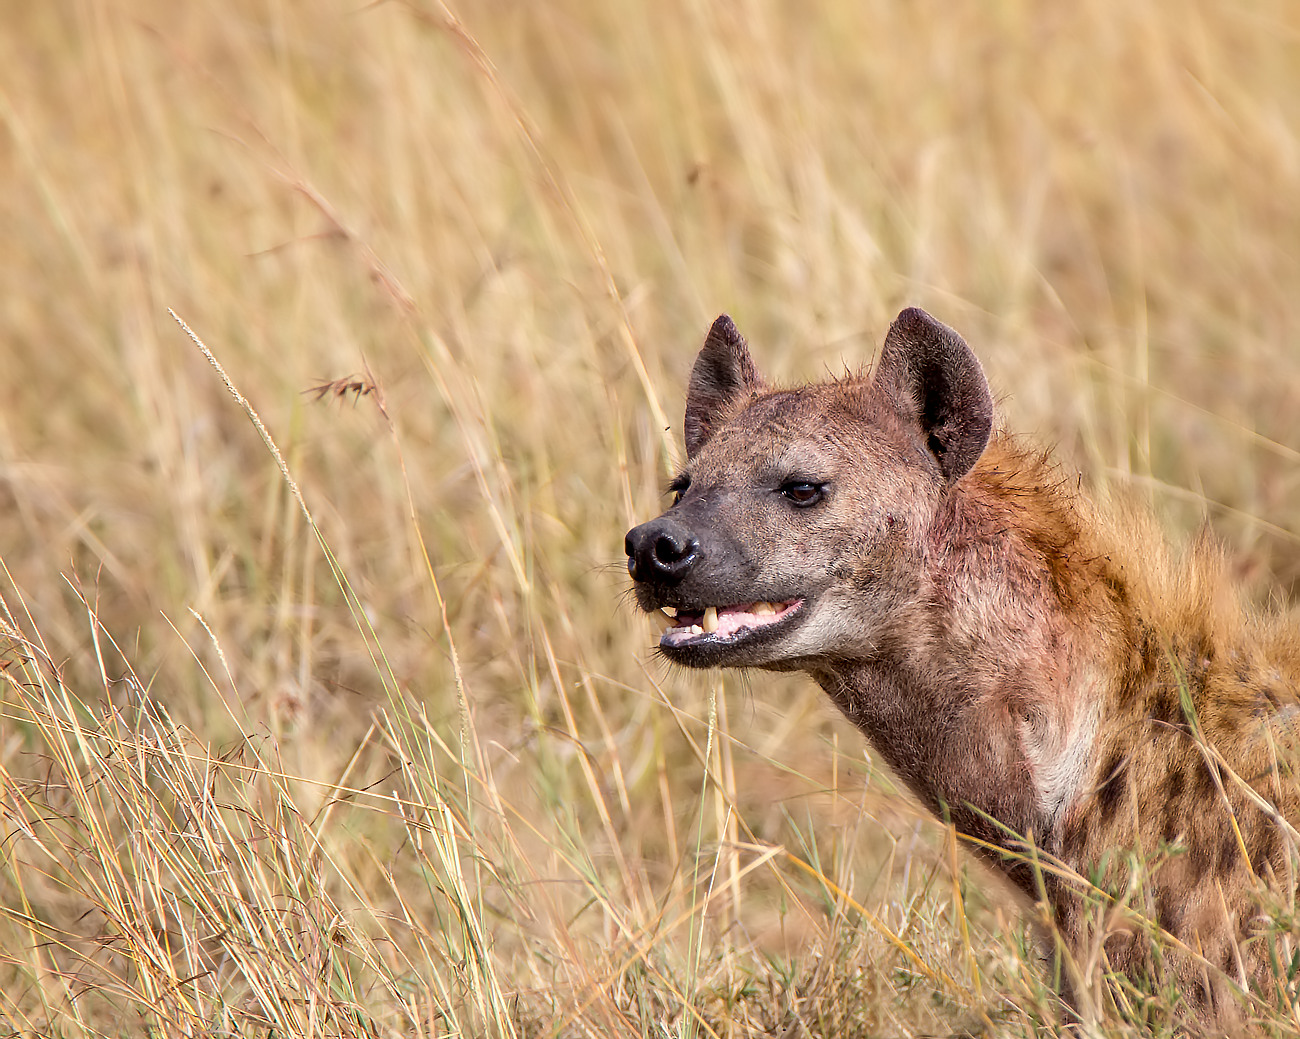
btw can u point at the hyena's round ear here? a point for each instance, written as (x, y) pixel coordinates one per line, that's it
(724, 374)
(933, 380)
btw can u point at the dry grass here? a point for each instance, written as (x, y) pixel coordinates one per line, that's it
(412, 769)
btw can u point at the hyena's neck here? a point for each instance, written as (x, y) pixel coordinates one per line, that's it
(987, 693)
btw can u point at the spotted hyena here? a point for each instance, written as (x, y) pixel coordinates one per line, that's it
(1104, 721)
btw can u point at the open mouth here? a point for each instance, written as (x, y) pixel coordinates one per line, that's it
(715, 625)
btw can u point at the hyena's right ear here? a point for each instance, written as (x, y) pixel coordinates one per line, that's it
(724, 374)
(934, 381)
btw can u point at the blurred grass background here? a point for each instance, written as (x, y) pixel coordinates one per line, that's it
(416, 771)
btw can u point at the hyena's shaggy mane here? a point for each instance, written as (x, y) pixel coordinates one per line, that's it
(1106, 550)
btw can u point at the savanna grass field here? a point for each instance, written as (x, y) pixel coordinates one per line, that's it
(325, 708)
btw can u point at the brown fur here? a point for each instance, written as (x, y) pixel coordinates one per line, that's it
(1191, 686)
(1107, 724)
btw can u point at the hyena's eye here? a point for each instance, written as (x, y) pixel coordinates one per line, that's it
(803, 492)
(678, 487)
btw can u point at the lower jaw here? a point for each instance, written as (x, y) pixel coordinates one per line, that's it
(705, 655)
(745, 649)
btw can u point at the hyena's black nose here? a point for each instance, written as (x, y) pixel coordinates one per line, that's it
(660, 550)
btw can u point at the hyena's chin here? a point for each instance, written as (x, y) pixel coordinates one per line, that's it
(737, 636)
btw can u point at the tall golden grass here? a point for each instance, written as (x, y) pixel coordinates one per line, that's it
(352, 731)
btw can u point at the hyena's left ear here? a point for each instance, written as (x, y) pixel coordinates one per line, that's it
(724, 373)
(933, 379)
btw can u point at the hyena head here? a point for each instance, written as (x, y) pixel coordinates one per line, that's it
(804, 519)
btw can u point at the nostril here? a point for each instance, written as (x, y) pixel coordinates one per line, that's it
(671, 552)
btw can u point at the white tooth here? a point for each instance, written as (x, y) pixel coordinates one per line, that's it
(670, 612)
(696, 630)
(711, 619)
(763, 609)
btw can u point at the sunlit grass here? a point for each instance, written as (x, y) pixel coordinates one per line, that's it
(408, 766)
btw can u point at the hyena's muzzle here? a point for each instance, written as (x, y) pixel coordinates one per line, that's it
(704, 588)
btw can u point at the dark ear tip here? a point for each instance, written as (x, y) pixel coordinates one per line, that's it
(913, 319)
(724, 327)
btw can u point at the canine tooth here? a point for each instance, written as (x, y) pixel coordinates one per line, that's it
(711, 619)
(763, 609)
(670, 612)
